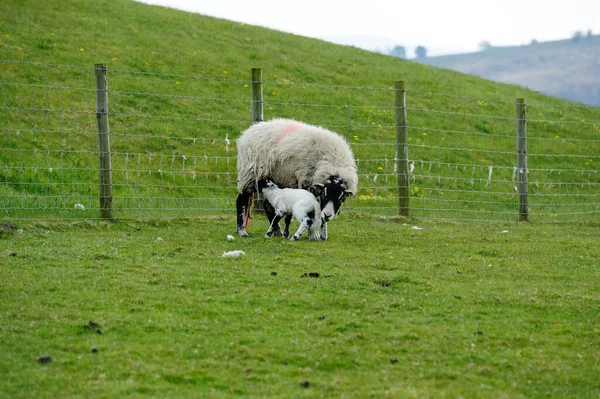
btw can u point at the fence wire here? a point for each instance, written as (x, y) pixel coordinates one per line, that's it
(173, 148)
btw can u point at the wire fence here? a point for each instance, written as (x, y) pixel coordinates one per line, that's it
(173, 148)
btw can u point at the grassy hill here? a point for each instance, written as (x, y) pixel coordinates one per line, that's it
(179, 92)
(565, 68)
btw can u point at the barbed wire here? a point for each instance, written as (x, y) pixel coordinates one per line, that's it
(3, 61)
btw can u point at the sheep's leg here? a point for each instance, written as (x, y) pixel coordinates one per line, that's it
(304, 224)
(270, 211)
(323, 232)
(243, 203)
(286, 230)
(274, 222)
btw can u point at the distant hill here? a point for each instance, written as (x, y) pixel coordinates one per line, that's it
(565, 68)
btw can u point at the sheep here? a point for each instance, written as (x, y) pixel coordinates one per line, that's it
(295, 155)
(302, 204)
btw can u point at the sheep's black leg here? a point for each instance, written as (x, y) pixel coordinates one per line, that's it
(323, 231)
(243, 211)
(274, 223)
(270, 211)
(286, 230)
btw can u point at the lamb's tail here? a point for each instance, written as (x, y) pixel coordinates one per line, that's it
(247, 214)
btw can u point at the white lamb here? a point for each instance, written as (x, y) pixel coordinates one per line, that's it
(297, 202)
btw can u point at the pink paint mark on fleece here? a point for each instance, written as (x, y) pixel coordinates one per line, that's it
(289, 129)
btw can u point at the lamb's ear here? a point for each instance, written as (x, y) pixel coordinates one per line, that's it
(349, 193)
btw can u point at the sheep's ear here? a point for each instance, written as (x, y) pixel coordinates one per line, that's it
(349, 193)
(317, 189)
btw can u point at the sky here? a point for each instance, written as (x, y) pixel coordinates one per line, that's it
(442, 26)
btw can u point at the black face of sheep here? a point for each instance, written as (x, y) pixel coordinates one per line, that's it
(331, 196)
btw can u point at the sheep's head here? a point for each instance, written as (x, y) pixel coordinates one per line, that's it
(331, 196)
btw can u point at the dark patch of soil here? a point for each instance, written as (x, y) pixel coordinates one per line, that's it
(44, 359)
(8, 226)
(91, 326)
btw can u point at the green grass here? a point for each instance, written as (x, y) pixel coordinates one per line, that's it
(453, 310)
(180, 86)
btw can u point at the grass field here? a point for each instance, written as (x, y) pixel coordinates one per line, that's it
(452, 310)
(147, 307)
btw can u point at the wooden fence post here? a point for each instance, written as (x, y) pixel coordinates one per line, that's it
(522, 170)
(402, 149)
(106, 207)
(257, 116)
(257, 96)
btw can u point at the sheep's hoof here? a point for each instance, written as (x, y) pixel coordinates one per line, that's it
(278, 233)
(267, 235)
(295, 238)
(242, 233)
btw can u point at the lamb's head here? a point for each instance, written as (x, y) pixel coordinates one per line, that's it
(331, 196)
(266, 184)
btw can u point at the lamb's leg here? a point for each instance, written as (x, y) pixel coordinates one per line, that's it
(286, 230)
(274, 223)
(242, 204)
(270, 211)
(304, 224)
(323, 232)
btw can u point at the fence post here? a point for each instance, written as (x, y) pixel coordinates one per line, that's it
(522, 159)
(257, 116)
(103, 141)
(257, 95)
(402, 149)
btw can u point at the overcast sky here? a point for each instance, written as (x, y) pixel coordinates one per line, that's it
(442, 26)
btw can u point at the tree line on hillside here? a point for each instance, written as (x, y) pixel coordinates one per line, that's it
(421, 51)
(400, 51)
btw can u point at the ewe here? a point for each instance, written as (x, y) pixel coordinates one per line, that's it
(295, 155)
